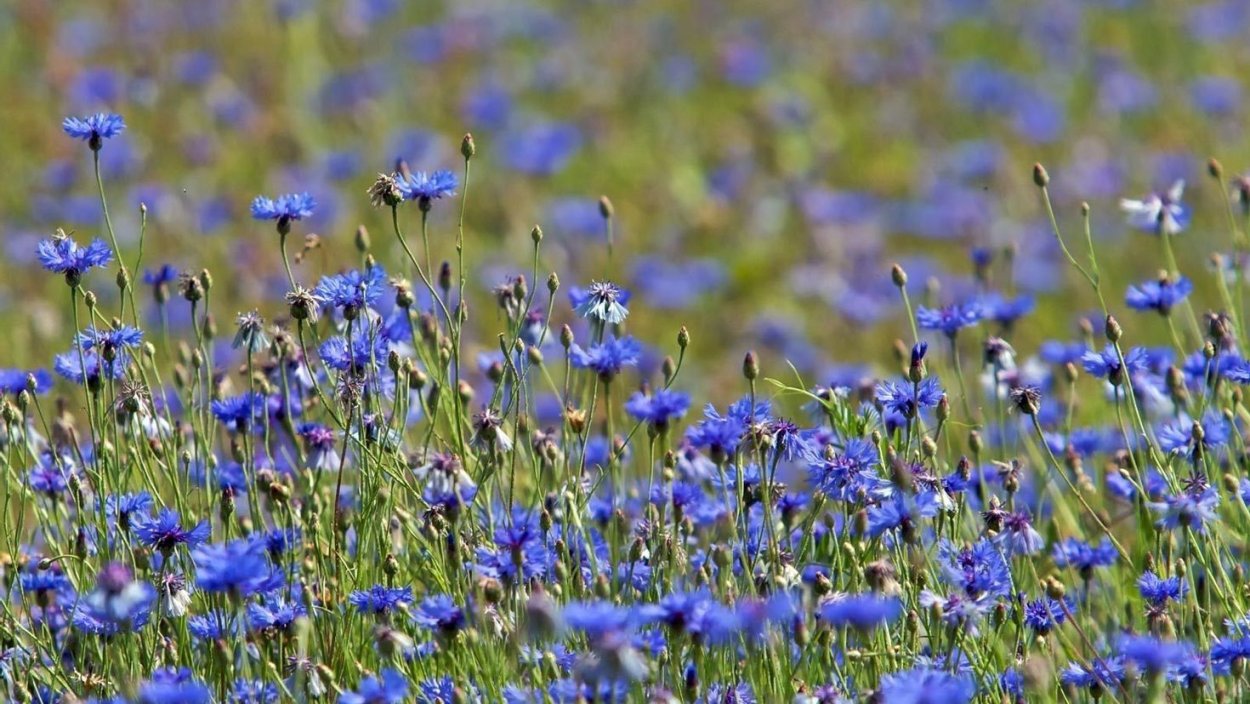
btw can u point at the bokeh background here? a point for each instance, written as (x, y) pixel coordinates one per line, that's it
(768, 161)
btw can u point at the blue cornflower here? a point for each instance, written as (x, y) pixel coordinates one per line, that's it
(120, 508)
(94, 129)
(1151, 654)
(164, 532)
(598, 619)
(159, 280)
(1178, 437)
(62, 255)
(238, 568)
(440, 614)
(1059, 353)
(718, 693)
(1105, 672)
(14, 381)
(1158, 590)
(1225, 651)
(846, 473)
(901, 512)
(1158, 212)
(959, 610)
(185, 691)
(607, 358)
(926, 684)
(1192, 508)
(950, 319)
(363, 355)
(50, 476)
(1159, 295)
(1106, 364)
(1018, 536)
(602, 302)
(284, 208)
(378, 599)
(87, 367)
(352, 290)
(275, 612)
(390, 688)
(425, 188)
(239, 413)
(980, 569)
(1046, 614)
(659, 408)
(1071, 552)
(110, 341)
(1006, 311)
(683, 612)
(862, 612)
(254, 692)
(906, 398)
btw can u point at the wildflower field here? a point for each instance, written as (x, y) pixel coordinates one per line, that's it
(531, 351)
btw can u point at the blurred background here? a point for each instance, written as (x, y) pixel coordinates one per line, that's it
(768, 161)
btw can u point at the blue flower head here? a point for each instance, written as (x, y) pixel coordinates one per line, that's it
(239, 413)
(927, 684)
(94, 129)
(602, 302)
(1158, 590)
(660, 408)
(426, 188)
(1158, 213)
(1159, 295)
(15, 381)
(380, 599)
(950, 319)
(1106, 364)
(862, 612)
(352, 290)
(389, 688)
(906, 398)
(607, 358)
(239, 568)
(62, 255)
(284, 209)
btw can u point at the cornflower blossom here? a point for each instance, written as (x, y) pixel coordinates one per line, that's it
(1158, 213)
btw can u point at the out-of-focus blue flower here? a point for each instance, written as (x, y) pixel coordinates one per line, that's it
(949, 319)
(542, 149)
(1151, 654)
(1084, 557)
(925, 684)
(862, 612)
(439, 613)
(14, 381)
(238, 568)
(240, 413)
(659, 408)
(607, 358)
(1158, 212)
(1159, 295)
(1106, 364)
(380, 599)
(390, 688)
(1192, 507)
